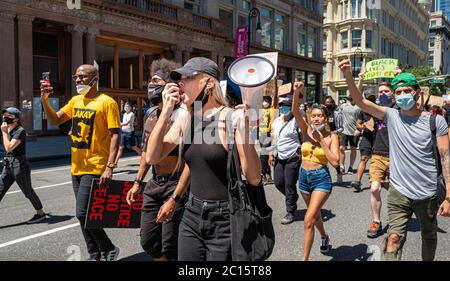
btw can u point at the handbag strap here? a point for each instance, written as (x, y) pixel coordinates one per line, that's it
(437, 157)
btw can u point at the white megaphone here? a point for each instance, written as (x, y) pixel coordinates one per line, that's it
(251, 74)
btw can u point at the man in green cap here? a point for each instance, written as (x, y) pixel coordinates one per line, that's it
(413, 186)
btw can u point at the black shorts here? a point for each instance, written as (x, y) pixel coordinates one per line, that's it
(346, 139)
(366, 146)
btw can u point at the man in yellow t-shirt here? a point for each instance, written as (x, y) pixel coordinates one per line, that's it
(265, 137)
(95, 141)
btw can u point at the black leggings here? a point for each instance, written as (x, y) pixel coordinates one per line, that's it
(17, 169)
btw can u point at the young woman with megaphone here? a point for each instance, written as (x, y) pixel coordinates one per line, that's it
(204, 233)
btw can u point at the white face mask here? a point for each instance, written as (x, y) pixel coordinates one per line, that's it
(83, 89)
(318, 128)
(266, 104)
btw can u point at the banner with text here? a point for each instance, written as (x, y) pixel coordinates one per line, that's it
(240, 44)
(108, 208)
(381, 68)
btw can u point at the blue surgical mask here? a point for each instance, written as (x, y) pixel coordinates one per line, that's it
(385, 99)
(285, 110)
(405, 101)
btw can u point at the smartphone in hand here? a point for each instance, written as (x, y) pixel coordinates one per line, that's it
(45, 83)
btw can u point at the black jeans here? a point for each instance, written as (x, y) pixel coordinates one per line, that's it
(205, 233)
(265, 142)
(158, 239)
(285, 180)
(17, 169)
(97, 240)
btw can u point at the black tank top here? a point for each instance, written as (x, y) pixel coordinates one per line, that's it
(208, 166)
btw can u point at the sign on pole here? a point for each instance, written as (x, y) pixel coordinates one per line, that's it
(381, 68)
(240, 44)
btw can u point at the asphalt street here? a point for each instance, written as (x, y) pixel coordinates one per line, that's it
(346, 215)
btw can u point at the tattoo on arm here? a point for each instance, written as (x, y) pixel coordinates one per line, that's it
(445, 162)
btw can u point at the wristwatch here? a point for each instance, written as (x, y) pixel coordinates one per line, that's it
(175, 198)
(111, 165)
(138, 181)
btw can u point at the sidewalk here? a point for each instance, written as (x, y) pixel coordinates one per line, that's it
(48, 148)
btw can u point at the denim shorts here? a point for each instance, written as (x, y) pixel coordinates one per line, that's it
(127, 139)
(315, 180)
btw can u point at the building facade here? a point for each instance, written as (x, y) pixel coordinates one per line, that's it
(125, 36)
(439, 56)
(394, 29)
(444, 6)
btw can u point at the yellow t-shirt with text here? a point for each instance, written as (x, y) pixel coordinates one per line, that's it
(91, 121)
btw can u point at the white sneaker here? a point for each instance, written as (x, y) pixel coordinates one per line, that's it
(111, 255)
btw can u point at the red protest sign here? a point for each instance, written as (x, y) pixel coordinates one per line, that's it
(108, 208)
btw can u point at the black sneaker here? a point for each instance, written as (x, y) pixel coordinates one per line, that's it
(111, 255)
(37, 218)
(288, 218)
(350, 171)
(356, 185)
(375, 230)
(325, 245)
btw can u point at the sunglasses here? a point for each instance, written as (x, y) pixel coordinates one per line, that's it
(81, 76)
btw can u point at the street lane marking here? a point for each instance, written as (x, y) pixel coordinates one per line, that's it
(41, 187)
(68, 166)
(38, 235)
(54, 185)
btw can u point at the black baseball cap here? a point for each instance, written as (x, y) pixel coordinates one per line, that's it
(196, 66)
(12, 110)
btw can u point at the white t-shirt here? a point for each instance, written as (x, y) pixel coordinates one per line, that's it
(286, 143)
(130, 127)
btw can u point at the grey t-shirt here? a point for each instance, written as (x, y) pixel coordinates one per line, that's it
(350, 114)
(286, 143)
(412, 164)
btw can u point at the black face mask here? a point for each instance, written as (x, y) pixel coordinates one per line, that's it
(155, 93)
(202, 97)
(331, 106)
(8, 120)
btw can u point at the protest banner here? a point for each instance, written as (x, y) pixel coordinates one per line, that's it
(108, 208)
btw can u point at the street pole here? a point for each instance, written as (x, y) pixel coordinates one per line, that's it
(253, 13)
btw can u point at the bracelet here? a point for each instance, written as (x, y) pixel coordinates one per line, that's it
(138, 181)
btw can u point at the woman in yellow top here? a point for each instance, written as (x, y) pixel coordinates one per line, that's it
(319, 147)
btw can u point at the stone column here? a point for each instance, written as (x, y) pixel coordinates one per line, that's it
(77, 49)
(8, 90)
(177, 54)
(91, 34)
(363, 7)
(25, 56)
(330, 16)
(186, 54)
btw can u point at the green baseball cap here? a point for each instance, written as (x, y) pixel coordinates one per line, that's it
(404, 79)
